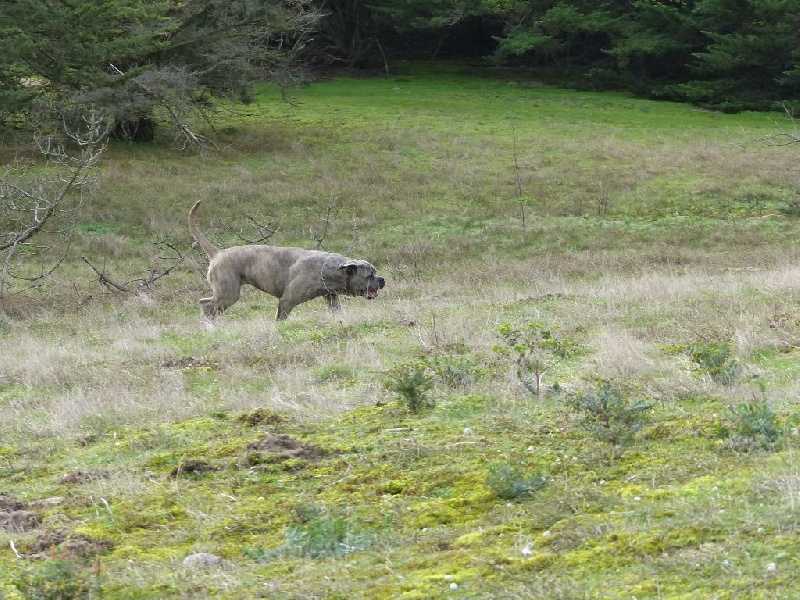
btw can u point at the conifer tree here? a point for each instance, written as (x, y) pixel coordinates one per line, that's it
(130, 58)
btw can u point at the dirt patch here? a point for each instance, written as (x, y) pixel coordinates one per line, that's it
(280, 448)
(192, 467)
(261, 416)
(188, 362)
(14, 517)
(19, 521)
(85, 476)
(59, 543)
(8, 503)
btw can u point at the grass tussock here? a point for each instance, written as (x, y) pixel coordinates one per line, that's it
(394, 449)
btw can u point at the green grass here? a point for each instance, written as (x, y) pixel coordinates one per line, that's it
(650, 228)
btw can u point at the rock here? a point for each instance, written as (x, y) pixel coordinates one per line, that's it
(204, 560)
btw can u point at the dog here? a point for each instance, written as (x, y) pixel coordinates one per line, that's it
(292, 275)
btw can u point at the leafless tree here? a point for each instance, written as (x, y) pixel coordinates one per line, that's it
(39, 206)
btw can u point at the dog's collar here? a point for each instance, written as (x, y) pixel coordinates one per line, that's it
(322, 275)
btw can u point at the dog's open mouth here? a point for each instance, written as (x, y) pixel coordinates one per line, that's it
(370, 294)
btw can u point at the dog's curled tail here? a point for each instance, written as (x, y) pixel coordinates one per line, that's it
(207, 246)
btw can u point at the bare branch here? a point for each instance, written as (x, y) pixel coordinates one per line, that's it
(135, 286)
(262, 231)
(784, 138)
(330, 215)
(103, 278)
(38, 211)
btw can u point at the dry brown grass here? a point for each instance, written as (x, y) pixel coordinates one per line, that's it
(639, 234)
(137, 364)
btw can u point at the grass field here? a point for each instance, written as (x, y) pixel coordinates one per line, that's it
(643, 254)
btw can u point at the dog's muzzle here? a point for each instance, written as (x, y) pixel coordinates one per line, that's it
(372, 292)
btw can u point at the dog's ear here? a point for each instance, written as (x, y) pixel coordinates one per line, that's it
(350, 267)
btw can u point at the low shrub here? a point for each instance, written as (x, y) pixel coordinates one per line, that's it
(411, 381)
(753, 425)
(534, 348)
(316, 533)
(454, 371)
(511, 483)
(59, 578)
(717, 360)
(610, 415)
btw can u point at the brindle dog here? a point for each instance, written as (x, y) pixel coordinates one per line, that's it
(292, 275)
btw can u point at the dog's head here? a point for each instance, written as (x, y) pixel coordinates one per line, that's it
(362, 279)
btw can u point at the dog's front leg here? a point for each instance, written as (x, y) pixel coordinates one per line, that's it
(283, 311)
(333, 301)
(207, 308)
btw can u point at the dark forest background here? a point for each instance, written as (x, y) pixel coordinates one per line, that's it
(727, 54)
(134, 58)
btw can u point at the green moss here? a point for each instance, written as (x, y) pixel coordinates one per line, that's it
(536, 562)
(457, 511)
(8, 452)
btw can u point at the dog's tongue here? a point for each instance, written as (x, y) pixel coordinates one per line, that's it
(370, 294)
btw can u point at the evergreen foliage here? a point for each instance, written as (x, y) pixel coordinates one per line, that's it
(610, 415)
(512, 482)
(411, 381)
(753, 425)
(133, 57)
(728, 54)
(717, 359)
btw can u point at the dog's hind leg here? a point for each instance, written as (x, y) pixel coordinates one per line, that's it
(226, 293)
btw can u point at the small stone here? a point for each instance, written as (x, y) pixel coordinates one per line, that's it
(467, 431)
(454, 586)
(204, 560)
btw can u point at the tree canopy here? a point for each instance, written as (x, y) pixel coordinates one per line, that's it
(129, 57)
(730, 54)
(134, 58)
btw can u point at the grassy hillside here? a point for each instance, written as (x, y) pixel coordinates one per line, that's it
(638, 256)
